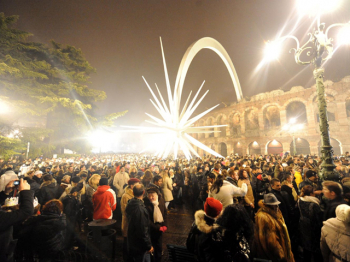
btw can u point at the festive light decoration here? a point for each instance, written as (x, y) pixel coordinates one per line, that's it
(175, 125)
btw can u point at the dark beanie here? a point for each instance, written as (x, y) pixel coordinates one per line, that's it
(104, 181)
(310, 173)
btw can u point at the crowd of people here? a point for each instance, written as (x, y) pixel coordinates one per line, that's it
(272, 207)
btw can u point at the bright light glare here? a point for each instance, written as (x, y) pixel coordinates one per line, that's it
(317, 7)
(344, 35)
(292, 120)
(99, 138)
(4, 108)
(272, 50)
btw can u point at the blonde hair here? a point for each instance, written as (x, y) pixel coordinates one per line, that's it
(94, 180)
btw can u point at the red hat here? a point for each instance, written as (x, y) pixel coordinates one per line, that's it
(132, 181)
(212, 207)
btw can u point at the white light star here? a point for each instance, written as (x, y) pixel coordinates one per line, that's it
(175, 124)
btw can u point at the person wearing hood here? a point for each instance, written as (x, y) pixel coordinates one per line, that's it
(271, 238)
(202, 227)
(48, 190)
(157, 214)
(335, 236)
(8, 176)
(138, 236)
(224, 191)
(310, 223)
(123, 203)
(104, 201)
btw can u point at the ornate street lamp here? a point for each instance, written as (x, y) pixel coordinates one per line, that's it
(319, 48)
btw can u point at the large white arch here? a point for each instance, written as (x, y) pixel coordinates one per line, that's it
(191, 52)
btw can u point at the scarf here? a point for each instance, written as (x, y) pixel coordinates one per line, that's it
(310, 199)
(157, 214)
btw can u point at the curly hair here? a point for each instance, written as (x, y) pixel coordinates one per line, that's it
(53, 206)
(235, 219)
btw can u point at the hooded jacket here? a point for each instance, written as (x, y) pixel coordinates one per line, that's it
(271, 239)
(139, 240)
(335, 240)
(48, 190)
(199, 239)
(104, 202)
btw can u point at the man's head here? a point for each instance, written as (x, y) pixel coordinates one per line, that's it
(38, 174)
(211, 178)
(275, 184)
(271, 201)
(132, 182)
(331, 189)
(138, 190)
(158, 180)
(152, 194)
(122, 169)
(70, 169)
(311, 175)
(93, 168)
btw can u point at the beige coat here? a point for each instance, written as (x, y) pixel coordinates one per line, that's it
(167, 188)
(249, 197)
(123, 202)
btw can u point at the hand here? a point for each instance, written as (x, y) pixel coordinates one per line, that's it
(23, 185)
(9, 187)
(151, 250)
(174, 184)
(252, 205)
(163, 229)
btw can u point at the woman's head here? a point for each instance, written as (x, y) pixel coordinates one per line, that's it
(94, 180)
(242, 174)
(53, 206)
(148, 175)
(307, 191)
(235, 218)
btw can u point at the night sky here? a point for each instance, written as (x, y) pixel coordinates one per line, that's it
(121, 40)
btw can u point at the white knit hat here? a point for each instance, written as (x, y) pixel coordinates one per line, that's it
(343, 213)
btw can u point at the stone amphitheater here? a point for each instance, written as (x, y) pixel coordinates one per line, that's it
(257, 125)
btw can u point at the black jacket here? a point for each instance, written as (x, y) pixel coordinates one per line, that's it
(285, 206)
(34, 186)
(47, 192)
(139, 240)
(8, 219)
(43, 235)
(331, 206)
(154, 227)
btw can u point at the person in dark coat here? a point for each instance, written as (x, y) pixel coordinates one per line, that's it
(310, 224)
(138, 236)
(333, 192)
(72, 211)
(200, 235)
(8, 219)
(44, 235)
(48, 190)
(282, 196)
(157, 213)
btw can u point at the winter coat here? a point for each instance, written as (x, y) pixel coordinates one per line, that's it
(6, 178)
(329, 212)
(34, 186)
(120, 179)
(48, 190)
(262, 187)
(310, 223)
(87, 203)
(226, 193)
(104, 202)
(167, 189)
(335, 241)
(62, 188)
(292, 194)
(199, 239)
(285, 207)
(271, 239)
(123, 203)
(43, 235)
(139, 240)
(154, 227)
(249, 197)
(8, 219)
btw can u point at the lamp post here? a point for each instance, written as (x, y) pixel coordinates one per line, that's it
(319, 48)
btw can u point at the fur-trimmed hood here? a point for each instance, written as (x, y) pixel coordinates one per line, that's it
(52, 182)
(201, 224)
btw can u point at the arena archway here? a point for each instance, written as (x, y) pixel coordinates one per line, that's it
(223, 149)
(302, 146)
(337, 150)
(254, 148)
(237, 148)
(274, 147)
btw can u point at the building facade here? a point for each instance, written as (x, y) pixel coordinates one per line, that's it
(265, 123)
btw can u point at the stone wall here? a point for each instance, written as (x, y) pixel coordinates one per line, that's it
(260, 123)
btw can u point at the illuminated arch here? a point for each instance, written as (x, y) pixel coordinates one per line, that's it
(191, 52)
